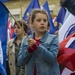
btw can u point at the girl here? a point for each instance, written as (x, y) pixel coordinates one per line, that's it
(13, 48)
(39, 52)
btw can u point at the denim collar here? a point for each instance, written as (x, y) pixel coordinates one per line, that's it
(43, 38)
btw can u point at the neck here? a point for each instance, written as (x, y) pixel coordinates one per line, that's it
(20, 37)
(39, 35)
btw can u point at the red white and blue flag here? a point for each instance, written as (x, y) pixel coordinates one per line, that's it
(11, 33)
(66, 54)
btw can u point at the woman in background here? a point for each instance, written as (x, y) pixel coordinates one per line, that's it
(14, 47)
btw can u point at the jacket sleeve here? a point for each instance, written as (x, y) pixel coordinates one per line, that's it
(24, 56)
(51, 54)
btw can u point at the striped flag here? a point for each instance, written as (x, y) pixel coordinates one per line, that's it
(67, 52)
(67, 28)
(11, 33)
(65, 31)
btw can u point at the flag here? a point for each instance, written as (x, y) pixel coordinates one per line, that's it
(59, 19)
(2, 70)
(46, 7)
(67, 52)
(61, 15)
(33, 4)
(66, 15)
(67, 71)
(11, 33)
(67, 28)
(4, 14)
(1, 53)
(4, 1)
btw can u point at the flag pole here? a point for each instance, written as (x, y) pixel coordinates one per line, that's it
(19, 25)
(20, 9)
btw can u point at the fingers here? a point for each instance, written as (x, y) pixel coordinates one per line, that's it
(31, 42)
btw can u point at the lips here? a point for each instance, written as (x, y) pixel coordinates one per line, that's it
(42, 27)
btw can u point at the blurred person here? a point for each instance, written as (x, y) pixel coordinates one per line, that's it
(13, 48)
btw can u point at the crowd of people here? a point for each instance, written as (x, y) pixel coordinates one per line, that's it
(36, 53)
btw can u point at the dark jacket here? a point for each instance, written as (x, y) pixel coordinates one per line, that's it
(70, 5)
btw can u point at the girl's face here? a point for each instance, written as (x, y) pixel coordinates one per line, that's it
(18, 31)
(40, 23)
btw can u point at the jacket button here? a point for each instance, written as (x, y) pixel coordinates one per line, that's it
(37, 62)
(10, 63)
(10, 53)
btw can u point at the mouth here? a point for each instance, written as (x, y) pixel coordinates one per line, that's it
(42, 27)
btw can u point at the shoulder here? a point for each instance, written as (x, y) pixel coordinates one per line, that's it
(52, 36)
(10, 42)
(49, 38)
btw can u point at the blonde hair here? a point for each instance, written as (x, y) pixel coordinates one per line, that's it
(35, 11)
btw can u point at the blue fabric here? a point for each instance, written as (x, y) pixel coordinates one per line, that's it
(70, 30)
(61, 15)
(72, 45)
(4, 14)
(4, 1)
(60, 18)
(52, 29)
(2, 70)
(33, 4)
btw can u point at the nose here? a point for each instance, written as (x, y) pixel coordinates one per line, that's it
(42, 22)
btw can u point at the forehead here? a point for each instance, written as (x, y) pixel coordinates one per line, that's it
(16, 25)
(41, 15)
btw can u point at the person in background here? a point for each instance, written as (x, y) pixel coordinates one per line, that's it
(40, 50)
(13, 48)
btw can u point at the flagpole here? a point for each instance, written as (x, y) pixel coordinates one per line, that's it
(20, 9)
(19, 25)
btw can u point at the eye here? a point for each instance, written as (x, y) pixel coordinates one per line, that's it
(18, 27)
(44, 20)
(38, 20)
(14, 27)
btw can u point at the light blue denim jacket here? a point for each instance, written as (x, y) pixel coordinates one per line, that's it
(44, 57)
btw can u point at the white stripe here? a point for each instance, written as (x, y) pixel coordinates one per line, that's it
(70, 20)
(1, 53)
(70, 42)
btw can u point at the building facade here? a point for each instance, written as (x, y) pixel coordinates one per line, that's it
(18, 7)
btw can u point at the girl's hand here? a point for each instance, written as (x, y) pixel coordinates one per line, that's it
(31, 42)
